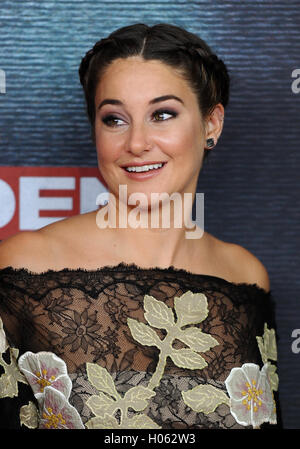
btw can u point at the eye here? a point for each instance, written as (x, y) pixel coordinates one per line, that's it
(112, 121)
(162, 115)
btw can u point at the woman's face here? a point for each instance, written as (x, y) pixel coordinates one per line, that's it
(146, 113)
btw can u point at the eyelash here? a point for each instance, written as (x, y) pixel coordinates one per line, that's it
(112, 117)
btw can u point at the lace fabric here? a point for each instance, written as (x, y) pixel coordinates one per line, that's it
(94, 316)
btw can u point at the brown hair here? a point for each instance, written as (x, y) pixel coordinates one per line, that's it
(185, 52)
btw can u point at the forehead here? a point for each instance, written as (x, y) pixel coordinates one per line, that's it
(135, 74)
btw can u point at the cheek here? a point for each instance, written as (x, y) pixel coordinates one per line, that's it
(188, 142)
(176, 142)
(108, 147)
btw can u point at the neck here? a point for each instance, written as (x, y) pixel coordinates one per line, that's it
(162, 235)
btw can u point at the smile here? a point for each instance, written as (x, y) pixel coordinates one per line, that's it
(144, 172)
(144, 168)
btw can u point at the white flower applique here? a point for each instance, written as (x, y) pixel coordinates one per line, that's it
(45, 369)
(251, 398)
(251, 389)
(57, 413)
(48, 377)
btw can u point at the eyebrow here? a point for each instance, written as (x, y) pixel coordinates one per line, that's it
(155, 100)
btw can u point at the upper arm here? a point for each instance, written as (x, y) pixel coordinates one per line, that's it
(23, 250)
(251, 269)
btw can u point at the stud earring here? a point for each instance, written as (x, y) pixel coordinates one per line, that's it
(210, 143)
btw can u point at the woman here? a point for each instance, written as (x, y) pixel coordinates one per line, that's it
(126, 327)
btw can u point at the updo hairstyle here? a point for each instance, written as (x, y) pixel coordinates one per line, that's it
(185, 52)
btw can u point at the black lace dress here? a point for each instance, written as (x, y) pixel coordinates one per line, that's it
(128, 347)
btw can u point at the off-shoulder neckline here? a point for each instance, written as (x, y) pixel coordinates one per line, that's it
(122, 266)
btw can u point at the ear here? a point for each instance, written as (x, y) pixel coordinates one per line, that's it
(214, 123)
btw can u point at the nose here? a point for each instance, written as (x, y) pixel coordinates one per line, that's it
(138, 139)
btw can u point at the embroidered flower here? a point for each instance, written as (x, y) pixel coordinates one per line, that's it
(251, 398)
(48, 377)
(57, 413)
(3, 341)
(45, 369)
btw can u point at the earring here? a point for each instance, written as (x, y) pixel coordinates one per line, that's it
(210, 143)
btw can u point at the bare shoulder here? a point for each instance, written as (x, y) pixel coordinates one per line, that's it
(65, 243)
(235, 263)
(249, 268)
(22, 250)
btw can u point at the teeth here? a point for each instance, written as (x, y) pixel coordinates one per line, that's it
(144, 168)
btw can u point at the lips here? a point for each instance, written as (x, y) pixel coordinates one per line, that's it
(140, 164)
(142, 176)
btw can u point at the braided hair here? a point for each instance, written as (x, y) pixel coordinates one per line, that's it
(185, 52)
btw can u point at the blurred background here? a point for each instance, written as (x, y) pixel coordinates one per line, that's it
(251, 178)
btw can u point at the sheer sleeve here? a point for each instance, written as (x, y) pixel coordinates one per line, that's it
(127, 347)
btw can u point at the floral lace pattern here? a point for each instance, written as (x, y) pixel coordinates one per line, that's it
(125, 347)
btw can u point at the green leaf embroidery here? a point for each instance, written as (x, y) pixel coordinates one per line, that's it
(186, 358)
(137, 397)
(143, 333)
(108, 401)
(197, 340)
(190, 308)
(105, 422)
(205, 398)
(141, 422)
(109, 422)
(29, 415)
(267, 345)
(101, 379)
(268, 351)
(273, 376)
(12, 375)
(157, 313)
(102, 404)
